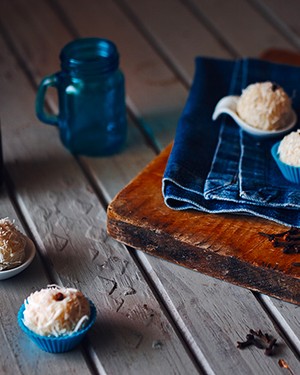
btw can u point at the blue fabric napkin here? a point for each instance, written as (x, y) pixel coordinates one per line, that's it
(214, 166)
(259, 179)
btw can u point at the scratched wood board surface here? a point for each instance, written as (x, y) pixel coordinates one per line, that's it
(69, 226)
(101, 170)
(225, 23)
(241, 26)
(189, 316)
(143, 102)
(13, 291)
(223, 246)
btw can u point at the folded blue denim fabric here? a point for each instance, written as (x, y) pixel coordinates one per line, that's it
(259, 179)
(208, 163)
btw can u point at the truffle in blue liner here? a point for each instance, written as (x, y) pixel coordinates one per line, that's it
(58, 344)
(290, 172)
(57, 319)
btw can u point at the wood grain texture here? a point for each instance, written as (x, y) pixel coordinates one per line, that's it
(227, 247)
(110, 176)
(210, 323)
(132, 332)
(241, 26)
(286, 314)
(213, 332)
(18, 353)
(283, 16)
(101, 168)
(179, 37)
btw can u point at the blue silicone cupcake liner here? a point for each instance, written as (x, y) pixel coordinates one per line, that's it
(59, 344)
(290, 172)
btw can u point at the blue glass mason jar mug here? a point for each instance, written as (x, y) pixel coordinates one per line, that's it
(91, 98)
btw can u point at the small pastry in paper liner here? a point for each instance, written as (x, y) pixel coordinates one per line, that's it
(12, 245)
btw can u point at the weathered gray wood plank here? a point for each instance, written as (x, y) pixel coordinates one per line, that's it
(175, 32)
(164, 269)
(159, 36)
(169, 271)
(284, 16)
(164, 39)
(18, 353)
(240, 25)
(132, 334)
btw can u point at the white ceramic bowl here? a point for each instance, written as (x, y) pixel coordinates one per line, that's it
(228, 105)
(29, 255)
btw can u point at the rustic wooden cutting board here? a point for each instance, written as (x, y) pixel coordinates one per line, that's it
(228, 247)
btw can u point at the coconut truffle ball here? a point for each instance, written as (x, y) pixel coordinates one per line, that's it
(264, 105)
(289, 149)
(12, 245)
(56, 311)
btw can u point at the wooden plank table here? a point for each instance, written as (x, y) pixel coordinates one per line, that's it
(154, 317)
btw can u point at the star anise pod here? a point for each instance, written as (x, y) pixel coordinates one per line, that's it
(259, 340)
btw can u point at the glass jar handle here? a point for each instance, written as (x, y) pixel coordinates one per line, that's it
(48, 81)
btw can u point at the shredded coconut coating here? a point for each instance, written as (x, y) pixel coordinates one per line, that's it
(12, 245)
(56, 311)
(264, 105)
(289, 149)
